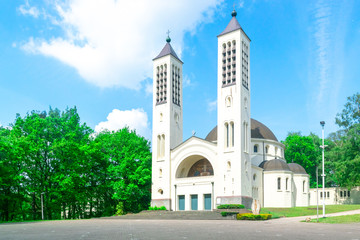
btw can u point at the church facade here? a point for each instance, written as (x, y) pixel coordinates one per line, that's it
(240, 159)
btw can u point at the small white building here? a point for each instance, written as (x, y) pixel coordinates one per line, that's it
(240, 159)
(335, 195)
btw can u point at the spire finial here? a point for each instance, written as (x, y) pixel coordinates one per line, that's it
(168, 39)
(233, 13)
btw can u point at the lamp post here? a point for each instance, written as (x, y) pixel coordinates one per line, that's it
(42, 206)
(317, 195)
(322, 123)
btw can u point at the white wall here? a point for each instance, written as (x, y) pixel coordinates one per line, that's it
(274, 197)
(261, 155)
(301, 193)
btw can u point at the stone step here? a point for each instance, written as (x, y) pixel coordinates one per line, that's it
(186, 215)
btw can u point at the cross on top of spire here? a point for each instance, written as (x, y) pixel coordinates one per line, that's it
(168, 39)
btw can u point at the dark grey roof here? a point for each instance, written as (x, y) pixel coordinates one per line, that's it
(232, 26)
(275, 165)
(166, 51)
(258, 130)
(297, 168)
(212, 136)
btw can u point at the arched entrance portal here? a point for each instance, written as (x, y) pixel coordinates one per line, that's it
(194, 184)
(201, 168)
(194, 166)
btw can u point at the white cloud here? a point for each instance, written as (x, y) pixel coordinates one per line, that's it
(111, 43)
(134, 119)
(25, 9)
(322, 43)
(212, 105)
(149, 88)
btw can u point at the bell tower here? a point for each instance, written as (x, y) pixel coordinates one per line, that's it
(234, 115)
(167, 130)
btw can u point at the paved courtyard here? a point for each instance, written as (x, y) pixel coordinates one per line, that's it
(115, 228)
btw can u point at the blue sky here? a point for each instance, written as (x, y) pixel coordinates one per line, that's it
(97, 56)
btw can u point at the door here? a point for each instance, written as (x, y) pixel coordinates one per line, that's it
(181, 202)
(207, 201)
(194, 202)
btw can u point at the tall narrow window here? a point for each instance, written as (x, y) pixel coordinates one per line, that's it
(304, 186)
(348, 193)
(158, 146)
(344, 193)
(286, 183)
(276, 152)
(267, 149)
(341, 195)
(279, 183)
(255, 148)
(160, 173)
(232, 134)
(226, 135)
(163, 145)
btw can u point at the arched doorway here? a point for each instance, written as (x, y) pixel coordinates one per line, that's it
(194, 184)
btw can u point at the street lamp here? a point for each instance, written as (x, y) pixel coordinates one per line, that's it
(42, 206)
(322, 123)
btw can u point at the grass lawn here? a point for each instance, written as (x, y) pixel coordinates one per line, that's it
(340, 219)
(305, 211)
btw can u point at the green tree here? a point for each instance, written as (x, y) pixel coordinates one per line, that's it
(79, 174)
(129, 168)
(305, 151)
(350, 115)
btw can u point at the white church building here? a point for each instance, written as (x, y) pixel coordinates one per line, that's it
(240, 159)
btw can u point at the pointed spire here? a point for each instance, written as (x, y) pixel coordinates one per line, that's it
(233, 24)
(167, 49)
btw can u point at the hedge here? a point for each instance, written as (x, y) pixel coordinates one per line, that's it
(155, 208)
(250, 216)
(231, 206)
(224, 214)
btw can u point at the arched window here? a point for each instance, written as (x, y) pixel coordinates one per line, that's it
(161, 117)
(228, 165)
(158, 146)
(267, 149)
(254, 177)
(341, 194)
(228, 101)
(256, 148)
(304, 182)
(160, 173)
(279, 183)
(232, 134)
(286, 183)
(226, 135)
(276, 152)
(162, 146)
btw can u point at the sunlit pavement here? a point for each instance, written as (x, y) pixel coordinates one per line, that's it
(177, 229)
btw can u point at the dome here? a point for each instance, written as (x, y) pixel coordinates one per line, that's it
(274, 165)
(258, 130)
(296, 168)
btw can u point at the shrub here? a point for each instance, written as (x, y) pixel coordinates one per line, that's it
(231, 206)
(250, 216)
(120, 209)
(155, 208)
(224, 214)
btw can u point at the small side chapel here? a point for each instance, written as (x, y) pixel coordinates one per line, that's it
(240, 159)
